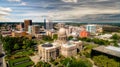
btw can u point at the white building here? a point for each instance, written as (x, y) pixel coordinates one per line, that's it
(91, 28)
(30, 29)
(61, 46)
(49, 25)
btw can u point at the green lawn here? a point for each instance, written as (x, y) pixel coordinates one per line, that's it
(25, 52)
(20, 62)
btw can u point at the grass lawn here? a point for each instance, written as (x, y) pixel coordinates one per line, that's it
(29, 52)
(20, 62)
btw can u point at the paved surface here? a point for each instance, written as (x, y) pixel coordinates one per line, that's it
(1, 57)
(35, 58)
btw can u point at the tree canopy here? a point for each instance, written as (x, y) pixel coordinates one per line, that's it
(11, 44)
(104, 61)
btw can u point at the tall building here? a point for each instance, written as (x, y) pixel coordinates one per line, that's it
(30, 29)
(48, 25)
(22, 26)
(44, 23)
(26, 24)
(91, 28)
(35, 29)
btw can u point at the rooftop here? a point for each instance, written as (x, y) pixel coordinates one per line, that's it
(68, 45)
(47, 45)
(111, 50)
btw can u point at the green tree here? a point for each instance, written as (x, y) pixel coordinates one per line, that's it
(1, 37)
(47, 38)
(70, 37)
(24, 47)
(6, 47)
(42, 64)
(16, 46)
(104, 61)
(39, 64)
(70, 62)
(116, 44)
(115, 37)
(55, 36)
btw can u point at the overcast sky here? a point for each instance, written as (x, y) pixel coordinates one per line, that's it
(60, 10)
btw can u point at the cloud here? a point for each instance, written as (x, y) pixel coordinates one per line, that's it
(63, 9)
(4, 19)
(14, 0)
(4, 11)
(23, 4)
(72, 1)
(74, 14)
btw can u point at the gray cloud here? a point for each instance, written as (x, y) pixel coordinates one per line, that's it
(71, 10)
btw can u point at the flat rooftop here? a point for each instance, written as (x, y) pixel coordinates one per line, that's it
(68, 45)
(111, 50)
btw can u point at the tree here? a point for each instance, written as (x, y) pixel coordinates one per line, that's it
(39, 64)
(70, 62)
(115, 37)
(24, 47)
(1, 37)
(16, 46)
(42, 64)
(116, 44)
(6, 47)
(104, 61)
(10, 44)
(70, 37)
(55, 36)
(47, 38)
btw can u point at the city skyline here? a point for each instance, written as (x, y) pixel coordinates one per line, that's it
(60, 10)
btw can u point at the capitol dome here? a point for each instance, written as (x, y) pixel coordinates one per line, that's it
(62, 31)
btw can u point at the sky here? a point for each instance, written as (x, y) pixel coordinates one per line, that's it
(60, 10)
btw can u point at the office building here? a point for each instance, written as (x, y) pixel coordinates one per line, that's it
(48, 25)
(30, 29)
(91, 28)
(26, 24)
(44, 23)
(35, 29)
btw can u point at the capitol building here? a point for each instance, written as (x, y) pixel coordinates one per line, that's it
(61, 46)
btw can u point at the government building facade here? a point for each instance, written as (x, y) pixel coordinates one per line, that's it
(60, 47)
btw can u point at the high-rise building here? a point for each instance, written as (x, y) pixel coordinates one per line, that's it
(48, 25)
(35, 29)
(44, 23)
(26, 24)
(30, 29)
(91, 28)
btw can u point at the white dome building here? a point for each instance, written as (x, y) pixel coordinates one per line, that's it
(62, 37)
(62, 31)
